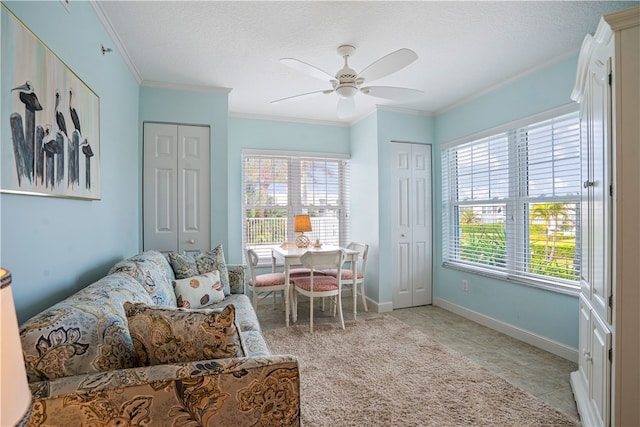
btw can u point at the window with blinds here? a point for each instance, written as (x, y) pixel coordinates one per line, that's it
(276, 187)
(511, 203)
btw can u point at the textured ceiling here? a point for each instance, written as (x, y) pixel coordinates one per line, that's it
(463, 48)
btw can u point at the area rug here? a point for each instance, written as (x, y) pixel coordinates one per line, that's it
(383, 372)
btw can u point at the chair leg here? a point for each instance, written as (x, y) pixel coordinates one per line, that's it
(294, 311)
(364, 298)
(311, 314)
(340, 308)
(254, 297)
(285, 295)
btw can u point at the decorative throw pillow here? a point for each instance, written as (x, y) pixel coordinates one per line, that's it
(198, 291)
(164, 335)
(191, 264)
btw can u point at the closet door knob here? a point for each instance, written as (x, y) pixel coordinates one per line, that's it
(403, 235)
(588, 184)
(192, 241)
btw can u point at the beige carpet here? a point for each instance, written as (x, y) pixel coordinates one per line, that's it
(383, 372)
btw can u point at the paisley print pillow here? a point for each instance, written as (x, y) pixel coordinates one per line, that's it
(163, 335)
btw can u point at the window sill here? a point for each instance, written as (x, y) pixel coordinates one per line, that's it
(548, 285)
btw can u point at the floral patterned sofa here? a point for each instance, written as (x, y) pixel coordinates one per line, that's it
(83, 367)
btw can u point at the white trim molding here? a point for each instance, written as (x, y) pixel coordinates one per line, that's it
(523, 335)
(379, 307)
(102, 17)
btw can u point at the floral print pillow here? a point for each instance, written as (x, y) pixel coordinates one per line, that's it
(191, 264)
(198, 291)
(163, 335)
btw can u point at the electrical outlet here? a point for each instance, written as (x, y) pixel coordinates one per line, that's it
(465, 285)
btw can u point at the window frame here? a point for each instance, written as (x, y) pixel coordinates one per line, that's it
(295, 205)
(517, 217)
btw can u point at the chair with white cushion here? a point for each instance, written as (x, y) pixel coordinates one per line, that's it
(347, 273)
(265, 283)
(318, 285)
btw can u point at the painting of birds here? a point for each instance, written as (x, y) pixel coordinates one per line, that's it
(88, 154)
(25, 145)
(43, 151)
(74, 114)
(62, 125)
(28, 96)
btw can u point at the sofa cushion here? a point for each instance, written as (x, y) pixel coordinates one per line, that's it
(152, 270)
(84, 333)
(198, 291)
(246, 317)
(163, 335)
(191, 264)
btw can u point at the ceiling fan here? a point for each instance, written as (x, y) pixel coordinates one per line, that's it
(347, 82)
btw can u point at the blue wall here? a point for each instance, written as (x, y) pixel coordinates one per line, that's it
(196, 106)
(549, 314)
(365, 221)
(55, 246)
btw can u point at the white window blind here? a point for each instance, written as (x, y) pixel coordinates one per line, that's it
(511, 201)
(276, 187)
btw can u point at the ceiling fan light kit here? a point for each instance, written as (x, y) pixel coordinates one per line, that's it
(347, 82)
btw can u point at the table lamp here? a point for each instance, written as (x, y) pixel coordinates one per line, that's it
(15, 396)
(302, 223)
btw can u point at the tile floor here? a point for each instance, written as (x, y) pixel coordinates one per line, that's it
(536, 371)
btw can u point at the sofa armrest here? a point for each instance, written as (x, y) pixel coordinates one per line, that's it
(221, 392)
(237, 277)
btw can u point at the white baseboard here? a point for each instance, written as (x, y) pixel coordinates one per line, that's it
(529, 337)
(384, 307)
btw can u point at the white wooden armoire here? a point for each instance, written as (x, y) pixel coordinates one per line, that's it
(606, 385)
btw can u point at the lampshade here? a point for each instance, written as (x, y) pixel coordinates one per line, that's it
(302, 223)
(15, 396)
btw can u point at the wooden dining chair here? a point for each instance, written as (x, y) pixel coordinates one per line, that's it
(347, 273)
(318, 285)
(263, 284)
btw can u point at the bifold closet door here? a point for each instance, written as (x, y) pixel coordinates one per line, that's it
(176, 187)
(411, 224)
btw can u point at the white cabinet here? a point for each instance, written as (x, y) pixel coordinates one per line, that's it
(411, 221)
(605, 385)
(176, 183)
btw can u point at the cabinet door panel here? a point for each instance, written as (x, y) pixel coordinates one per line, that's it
(599, 384)
(584, 340)
(599, 201)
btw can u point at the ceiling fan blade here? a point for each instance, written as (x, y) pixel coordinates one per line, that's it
(307, 69)
(393, 93)
(346, 107)
(388, 64)
(302, 96)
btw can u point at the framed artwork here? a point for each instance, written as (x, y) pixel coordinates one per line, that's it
(50, 131)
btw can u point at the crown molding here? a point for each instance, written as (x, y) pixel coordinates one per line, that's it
(394, 109)
(237, 115)
(506, 82)
(180, 86)
(102, 17)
